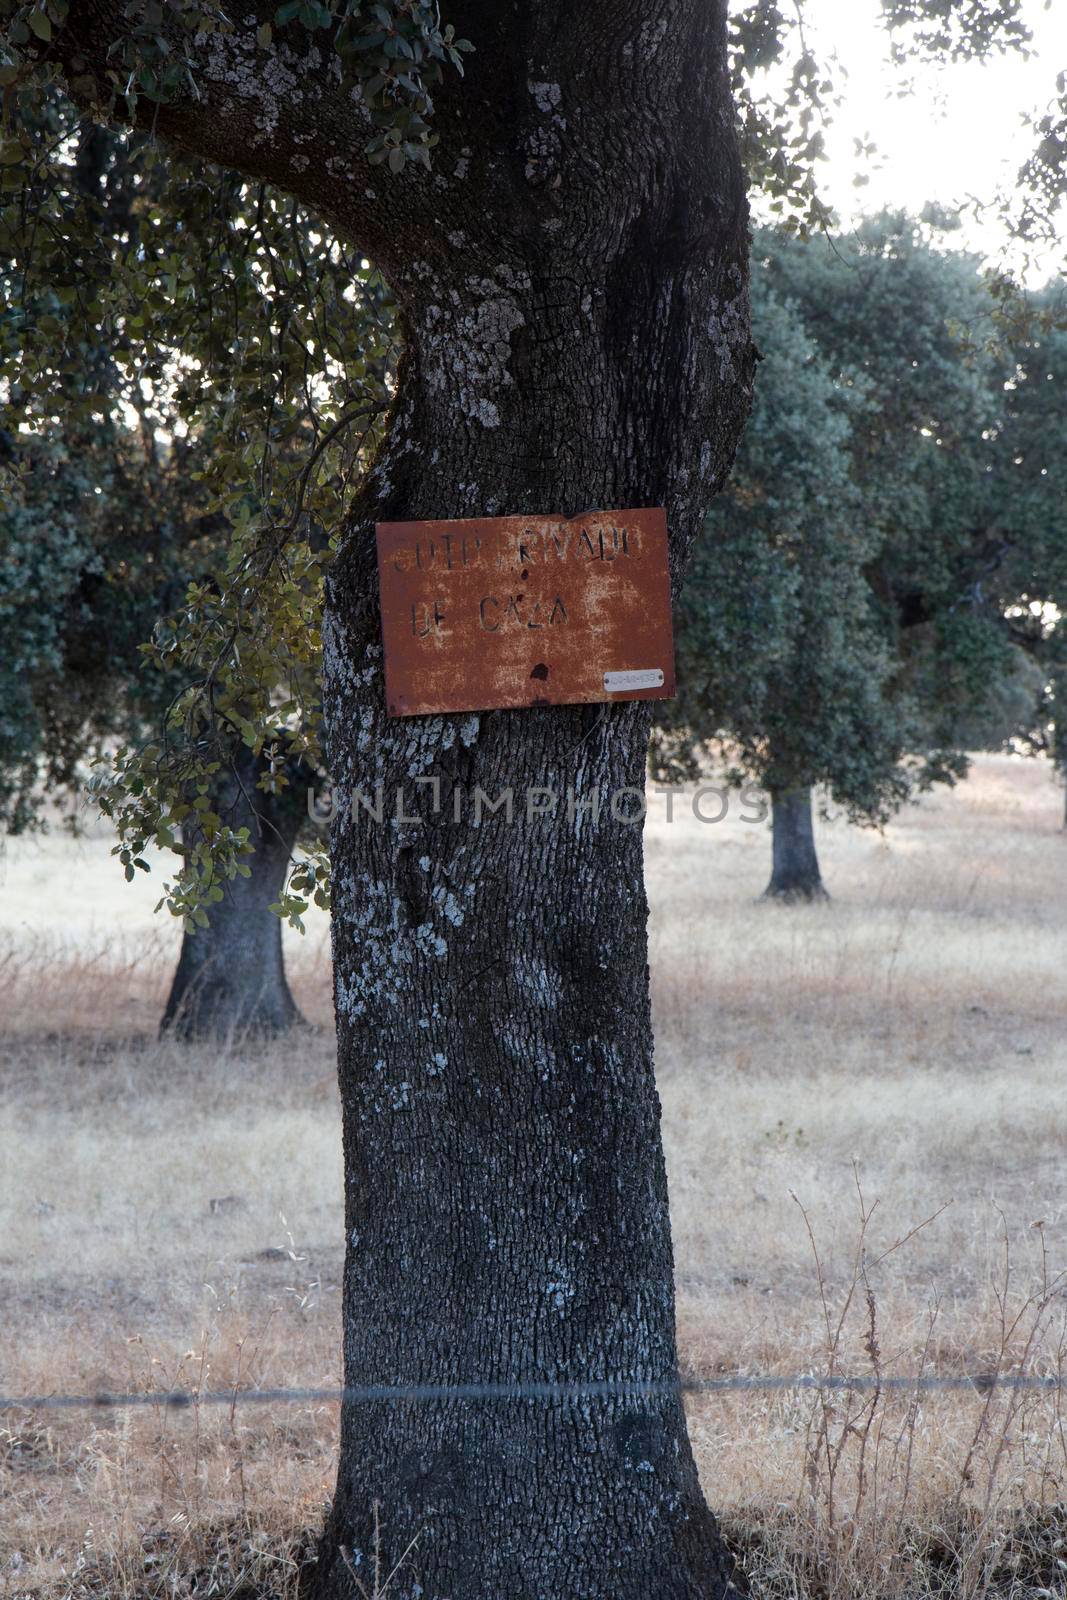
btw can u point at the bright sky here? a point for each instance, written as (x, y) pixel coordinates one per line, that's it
(960, 134)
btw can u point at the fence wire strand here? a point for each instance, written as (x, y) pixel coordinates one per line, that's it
(623, 1389)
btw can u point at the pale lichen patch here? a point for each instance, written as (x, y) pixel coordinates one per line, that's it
(467, 350)
(547, 96)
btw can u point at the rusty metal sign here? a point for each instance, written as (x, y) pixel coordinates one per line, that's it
(525, 611)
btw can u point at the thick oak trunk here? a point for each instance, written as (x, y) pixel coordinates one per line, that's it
(231, 974)
(795, 872)
(572, 276)
(506, 1203)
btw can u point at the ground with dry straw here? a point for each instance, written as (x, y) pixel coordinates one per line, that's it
(865, 1119)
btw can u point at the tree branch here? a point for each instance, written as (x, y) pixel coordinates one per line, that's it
(277, 112)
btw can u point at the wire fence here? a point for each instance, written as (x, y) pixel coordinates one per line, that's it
(621, 1388)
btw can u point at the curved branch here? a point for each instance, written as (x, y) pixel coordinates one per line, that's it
(278, 112)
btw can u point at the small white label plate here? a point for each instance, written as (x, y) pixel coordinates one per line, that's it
(642, 678)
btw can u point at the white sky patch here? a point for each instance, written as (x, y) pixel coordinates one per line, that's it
(959, 136)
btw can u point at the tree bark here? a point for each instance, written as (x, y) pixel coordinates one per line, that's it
(795, 872)
(506, 1204)
(573, 282)
(231, 974)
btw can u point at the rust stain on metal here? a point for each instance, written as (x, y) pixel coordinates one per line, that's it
(525, 611)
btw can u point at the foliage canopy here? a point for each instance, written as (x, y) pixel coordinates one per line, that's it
(204, 346)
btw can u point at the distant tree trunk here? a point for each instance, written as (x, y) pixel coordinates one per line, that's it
(795, 866)
(231, 975)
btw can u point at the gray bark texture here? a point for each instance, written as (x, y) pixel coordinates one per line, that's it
(573, 283)
(231, 975)
(795, 872)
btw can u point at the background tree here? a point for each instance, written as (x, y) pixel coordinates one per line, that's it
(976, 584)
(1025, 581)
(86, 531)
(847, 620)
(147, 540)
(88, 556)
(95, 543)
(907, 326)
(778, 652)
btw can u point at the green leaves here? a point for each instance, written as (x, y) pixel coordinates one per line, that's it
(949, 30)
(781, 128)
(896, 498)
(395, 51)
(778, 656)
(220, 365)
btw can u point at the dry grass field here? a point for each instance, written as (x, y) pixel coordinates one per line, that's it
(865, 1111)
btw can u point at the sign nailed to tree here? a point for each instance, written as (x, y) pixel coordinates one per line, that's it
(525, 611)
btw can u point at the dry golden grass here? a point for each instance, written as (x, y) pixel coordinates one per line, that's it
(831, 1076)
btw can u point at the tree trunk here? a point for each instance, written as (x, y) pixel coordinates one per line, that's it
(231, 974)
(506, 1204)
(795, 872)
(573, 281)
